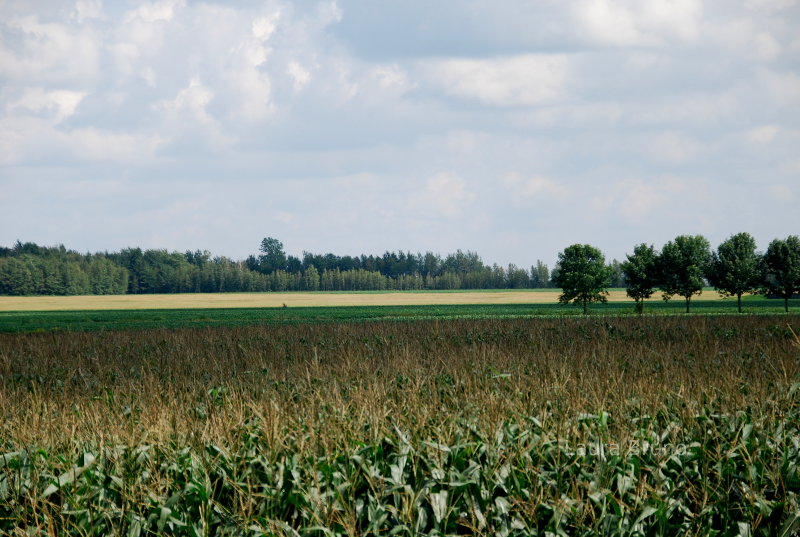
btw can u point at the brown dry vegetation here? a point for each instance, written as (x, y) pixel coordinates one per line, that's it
(344, 381)
(470, 427)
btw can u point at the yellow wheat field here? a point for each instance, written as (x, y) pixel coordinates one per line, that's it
(272, 300)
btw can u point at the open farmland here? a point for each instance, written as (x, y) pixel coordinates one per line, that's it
(303, 299)
(32, 314)
(571, 425)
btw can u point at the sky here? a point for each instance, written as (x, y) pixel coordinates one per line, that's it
(509, 128)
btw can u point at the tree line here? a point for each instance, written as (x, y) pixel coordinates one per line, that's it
(30, 269)
(682, 268)
(459, 270)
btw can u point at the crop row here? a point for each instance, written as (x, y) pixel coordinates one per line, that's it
(589, 426)
(720, 474)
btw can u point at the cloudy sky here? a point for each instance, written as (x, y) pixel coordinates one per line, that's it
(511, 128)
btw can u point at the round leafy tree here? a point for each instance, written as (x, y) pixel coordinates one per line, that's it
(640, 269)
(683, 265)
(781, 268)
(735, 267)
(583, 275)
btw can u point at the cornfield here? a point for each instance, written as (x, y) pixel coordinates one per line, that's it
(572, 426)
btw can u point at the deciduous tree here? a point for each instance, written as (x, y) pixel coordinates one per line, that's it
(641, 274)
(583, 275)
(683, 265)
(736, 267)
(540, 275)
(781, 268)
(272, 256)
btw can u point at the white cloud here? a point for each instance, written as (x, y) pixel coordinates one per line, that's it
(37, 141)
(49, 52)
(300, 75)
(700, 109)
(445, 195)
(783, 193)
(90, 145)
(138, 43)
(674, 147)
(538, 188)
(609, 22)
(572, 115)
(390, 76)
(526, 80)
(769, 5)
(284, 217)
(187, 124)
(255, 90)
(155, 11)
(191, 100)
(329, 12)
(784, 87)
(11, 141)
(766, 47)
(637, 198)
(87, 9)
(678, 18)
(95, 188)
(791, 167)
(639, 22)
(149, 76)
(763, 134)
(264, 27)
(61, 103)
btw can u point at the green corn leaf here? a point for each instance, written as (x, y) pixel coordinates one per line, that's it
(68, 477)
(8, 458)
(646, 513)
(791, 527)
(163, 516)
(439, 505)
(435, 445)
(135, 528)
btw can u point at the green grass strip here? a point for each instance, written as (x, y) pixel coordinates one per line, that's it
(93, 320)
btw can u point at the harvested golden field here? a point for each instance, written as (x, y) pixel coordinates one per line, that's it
(272, 300)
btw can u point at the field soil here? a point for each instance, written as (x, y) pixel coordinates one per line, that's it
(276, 300)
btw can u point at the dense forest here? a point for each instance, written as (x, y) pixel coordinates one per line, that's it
(30, 269)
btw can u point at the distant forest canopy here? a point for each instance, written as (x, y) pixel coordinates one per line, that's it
(682, 267)
(30, 269)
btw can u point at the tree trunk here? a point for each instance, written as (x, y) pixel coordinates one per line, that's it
(639, 306)
(688, 298)
(739, 302)
(584, 307)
